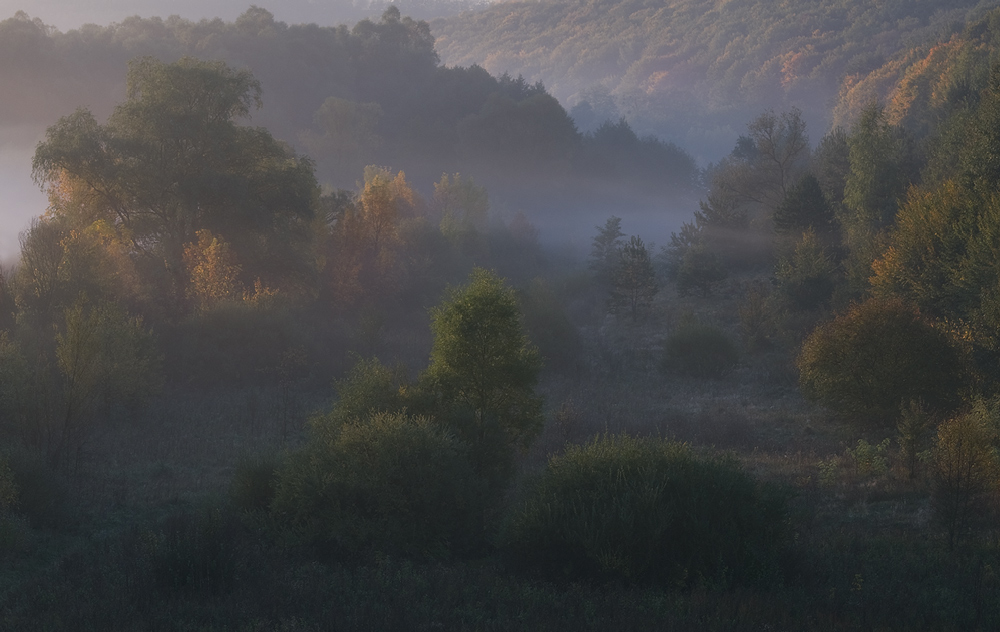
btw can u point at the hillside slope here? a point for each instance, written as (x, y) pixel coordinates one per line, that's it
(684, 68)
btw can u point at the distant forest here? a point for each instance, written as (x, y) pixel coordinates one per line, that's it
(686, 69)
(350, 97)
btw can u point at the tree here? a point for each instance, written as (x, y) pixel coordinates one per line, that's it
(808, 274)
(105, 358)
(880, 172)
(483, 362)
(213, 269)
(604, 250)
(879, 355)
(634, 279)
(965, 469)
(464, 209)
(804, 208)
(699, 269)
(347, 137)
(765, 162)
(363, 261)
(172, 160)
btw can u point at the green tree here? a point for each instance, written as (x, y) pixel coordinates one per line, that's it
(807, 276)
(980, 156)
(805, 208)
(700, 269)
(385, 481)
(881, 169)
(634, 278)
(172, 160)
(880, 354)
(482, 361)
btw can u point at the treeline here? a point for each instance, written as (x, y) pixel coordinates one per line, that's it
(871, 260)
(349, 97)
(685, 68)
(175, 217)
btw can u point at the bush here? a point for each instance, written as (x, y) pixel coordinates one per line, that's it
(700, 269)
(388, 482)
(877, 356)
(699, 350)
(648, 509)
(965, 470)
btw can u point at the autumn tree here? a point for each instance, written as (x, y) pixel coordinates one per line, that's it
(213, 270)
(364, 243)
(877, 356)
(172, 159)
(965, 470)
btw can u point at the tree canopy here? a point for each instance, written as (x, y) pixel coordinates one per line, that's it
(172, 160)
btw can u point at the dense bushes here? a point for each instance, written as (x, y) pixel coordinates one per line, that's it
(879, 355)
(648, 509)
(965, 470)
(700, 351)
(386, 482)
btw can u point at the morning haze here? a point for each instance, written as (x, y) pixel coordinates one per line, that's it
(560, 314)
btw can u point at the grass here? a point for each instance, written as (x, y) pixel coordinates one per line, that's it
(147, 538)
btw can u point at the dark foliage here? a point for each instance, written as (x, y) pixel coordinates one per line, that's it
(630, 509)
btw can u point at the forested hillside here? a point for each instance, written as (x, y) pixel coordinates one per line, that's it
(685, 69)
(375, 93)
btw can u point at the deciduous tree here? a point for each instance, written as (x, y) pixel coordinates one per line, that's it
(172, 159)
(482, 360)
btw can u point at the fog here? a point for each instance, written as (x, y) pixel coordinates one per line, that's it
(71, 14)
(21, 199)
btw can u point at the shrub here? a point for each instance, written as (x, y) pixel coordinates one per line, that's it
(965, 469)
(647, 509)
(699, 350)
(699, 269)
(881, 353)
(387, 482)
(912, 428)
(370, 386)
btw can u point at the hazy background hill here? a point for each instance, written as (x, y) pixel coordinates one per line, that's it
(691, 73)
(374, 93)
(693, 70)
(70, 14)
